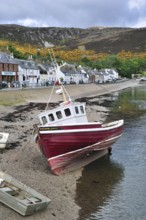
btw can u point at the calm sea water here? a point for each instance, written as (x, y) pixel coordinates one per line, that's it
(114, 188)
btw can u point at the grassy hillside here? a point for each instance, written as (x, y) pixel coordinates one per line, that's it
(73, 44)
(106, 40)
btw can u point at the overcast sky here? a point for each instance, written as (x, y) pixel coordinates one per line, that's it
(74, 13)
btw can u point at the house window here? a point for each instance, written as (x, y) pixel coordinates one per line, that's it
(10, 67)
(76, 110)
(1, 67)
(6, 67)
(51, 117)
(44, 120)
(59, 114)
(82, 109)
(67, 112)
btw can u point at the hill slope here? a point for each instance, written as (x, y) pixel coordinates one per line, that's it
(111, 40)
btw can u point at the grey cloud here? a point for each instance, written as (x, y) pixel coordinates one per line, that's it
(74, 13)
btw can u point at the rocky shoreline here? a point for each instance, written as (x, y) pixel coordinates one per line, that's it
(23, 159)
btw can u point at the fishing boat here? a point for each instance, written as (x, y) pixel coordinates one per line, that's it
(3, 139)
(19, 197)
(65, 135)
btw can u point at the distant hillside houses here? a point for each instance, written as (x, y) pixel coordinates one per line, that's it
(106, 75)
(27, 73)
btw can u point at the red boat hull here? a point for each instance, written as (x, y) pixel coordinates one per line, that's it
(79, 158)
(63, 145)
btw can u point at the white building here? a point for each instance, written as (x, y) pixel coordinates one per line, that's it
(48, 74)
(73, 74)
(28, 73)
(113, 74)
(106, 75)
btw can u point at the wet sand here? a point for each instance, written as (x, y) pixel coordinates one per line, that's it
(24, 161)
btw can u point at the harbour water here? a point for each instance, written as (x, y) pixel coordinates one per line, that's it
(114, 188)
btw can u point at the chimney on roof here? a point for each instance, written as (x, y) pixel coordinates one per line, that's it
(30, 58)
(11, 56)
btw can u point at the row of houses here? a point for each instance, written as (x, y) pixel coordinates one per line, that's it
(30, 73)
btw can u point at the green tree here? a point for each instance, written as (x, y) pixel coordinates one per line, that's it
(111, 61)
(16, 53)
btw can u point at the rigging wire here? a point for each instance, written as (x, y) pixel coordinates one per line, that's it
(56, 69)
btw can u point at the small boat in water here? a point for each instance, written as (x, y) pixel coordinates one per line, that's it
(3, 139)
(65, 136)
(19, 197)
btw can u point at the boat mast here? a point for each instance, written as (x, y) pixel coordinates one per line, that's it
(65, 94)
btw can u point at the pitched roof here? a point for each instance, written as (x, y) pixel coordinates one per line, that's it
(6, 58)
(25, 64)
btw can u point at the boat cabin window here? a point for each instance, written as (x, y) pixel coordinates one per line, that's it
(67, 112)
(44, 120)
(82, 109)
(51, 117)
(59, 114)
(76, 110)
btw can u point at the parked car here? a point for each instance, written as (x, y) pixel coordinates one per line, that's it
(57, 83)
(72, 82)
(3, 84)
(24, 84)
(64, 83)
(81, 81)
(47, 83)
(143, 79)
(15, 84)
